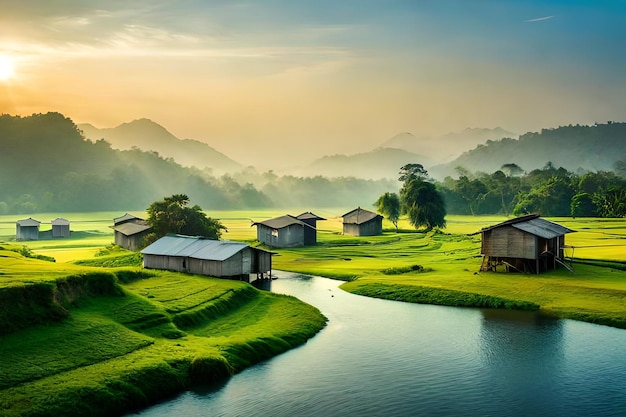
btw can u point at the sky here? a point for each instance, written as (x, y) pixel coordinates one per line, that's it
(269, 80)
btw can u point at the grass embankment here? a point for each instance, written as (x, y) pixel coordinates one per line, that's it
(442, 268)
(80, 340)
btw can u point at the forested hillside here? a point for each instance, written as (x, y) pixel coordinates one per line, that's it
(587, 148)
(150, 136)
(47, 165)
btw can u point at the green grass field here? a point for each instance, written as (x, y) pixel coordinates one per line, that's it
(84, 338)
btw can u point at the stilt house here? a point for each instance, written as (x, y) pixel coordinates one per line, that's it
(360, 222)
(216, 258)
(524, 244)
(27, 229)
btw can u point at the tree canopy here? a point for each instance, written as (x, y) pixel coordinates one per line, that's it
(173, 215)
(419, 198)
(389, 205)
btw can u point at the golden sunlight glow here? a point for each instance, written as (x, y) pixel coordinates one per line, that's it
(6, 68)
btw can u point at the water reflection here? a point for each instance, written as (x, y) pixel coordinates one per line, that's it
(385, 358)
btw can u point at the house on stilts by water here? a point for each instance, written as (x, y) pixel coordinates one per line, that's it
(527, 244)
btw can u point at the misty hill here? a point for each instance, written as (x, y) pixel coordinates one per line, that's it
(590, 148)
(376, 164)
(47, 165)
(150, 136)
(446, 147)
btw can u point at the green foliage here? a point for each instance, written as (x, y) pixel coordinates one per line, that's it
(403, 270)
(388, 205)
(410, 172)
(172, 215)
(26, 252)
(423, 204)
(582, 205)
(548, 191)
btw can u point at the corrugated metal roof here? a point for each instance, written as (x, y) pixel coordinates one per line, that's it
(309, 216)
(280, 222)
(359, 216)
(130, 228)
(542, 228)
(59, 221)
(194, 247)
(534, 225)
(28, 222)
(125, 217)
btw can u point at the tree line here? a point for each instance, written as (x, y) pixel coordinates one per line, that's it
(548, 191)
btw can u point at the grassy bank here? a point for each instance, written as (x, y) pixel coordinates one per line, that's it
(104, 341)
(443, 268)
(93, 338)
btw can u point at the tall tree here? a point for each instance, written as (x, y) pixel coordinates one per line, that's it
(173, 215)
(420, 199)
(410, 172)
(388, 205)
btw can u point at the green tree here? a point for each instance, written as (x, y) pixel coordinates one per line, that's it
(612, 202)
(471, 191)
(173, 215)
(582, 205)
(512, 170)
(420, 199)
(410, 172)
(388, 205)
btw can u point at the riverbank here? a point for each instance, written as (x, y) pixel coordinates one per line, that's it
(441, 268)
(79, 341)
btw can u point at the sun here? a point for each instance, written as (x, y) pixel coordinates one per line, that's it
(6, 68)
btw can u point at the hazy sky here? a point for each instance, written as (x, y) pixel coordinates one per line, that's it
(268, 79)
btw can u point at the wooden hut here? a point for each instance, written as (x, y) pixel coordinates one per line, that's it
(360, 222)
(525, 244)
(199, 255)
(310, 233)
(27, 229)
(130, 235)
(129, 231)
(282, 232)
(60, 228)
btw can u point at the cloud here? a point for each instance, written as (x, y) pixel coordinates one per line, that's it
(539, 19)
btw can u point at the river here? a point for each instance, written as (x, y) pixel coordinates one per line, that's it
(386, 358)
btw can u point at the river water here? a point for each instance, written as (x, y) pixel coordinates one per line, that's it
(386, 358)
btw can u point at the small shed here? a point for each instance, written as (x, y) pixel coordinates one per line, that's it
(282, 232)
(525, 244)
(27, 229)
(130, 235)
(310, 233)
(216, 258)
(60, 228)
(360, 222)
(127, 217)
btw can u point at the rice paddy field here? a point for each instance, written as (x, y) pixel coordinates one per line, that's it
(93, 340)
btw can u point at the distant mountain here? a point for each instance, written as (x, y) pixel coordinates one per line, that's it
(446, 147)
(150, 136)
(592, 148)
(379, 163)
